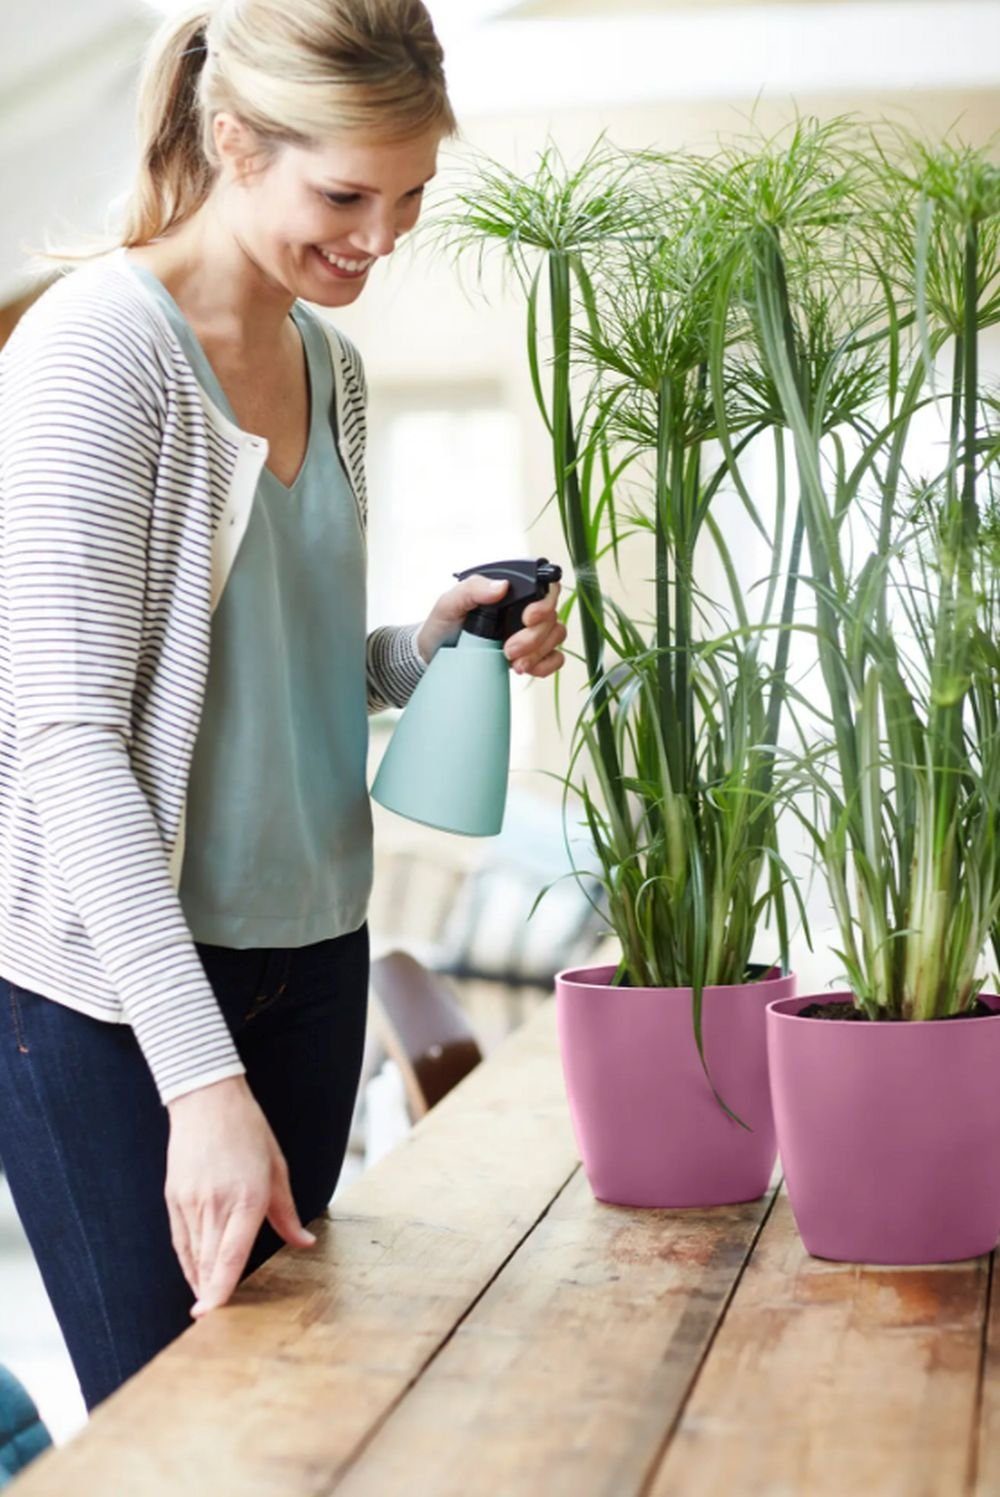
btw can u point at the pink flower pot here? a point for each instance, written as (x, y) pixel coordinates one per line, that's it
(888, 1134)
(648, 1128)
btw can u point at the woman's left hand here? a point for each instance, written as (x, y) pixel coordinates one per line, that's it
(532, 651)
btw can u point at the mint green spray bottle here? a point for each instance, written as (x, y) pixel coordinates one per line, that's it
(448, 759)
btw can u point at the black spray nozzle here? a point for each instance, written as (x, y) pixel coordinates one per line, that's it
(527, 579)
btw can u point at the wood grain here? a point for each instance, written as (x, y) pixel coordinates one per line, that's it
(566, 1375)
(270, 1395)
(833, 1379)
(474, 1324)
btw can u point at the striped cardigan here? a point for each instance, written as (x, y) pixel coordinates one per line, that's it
(124, 495)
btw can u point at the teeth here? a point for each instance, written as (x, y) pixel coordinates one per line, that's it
(353, 267)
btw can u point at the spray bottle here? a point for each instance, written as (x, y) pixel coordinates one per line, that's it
(447, 762)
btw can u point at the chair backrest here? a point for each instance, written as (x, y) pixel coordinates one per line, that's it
(423, 1029)
(22, 1433)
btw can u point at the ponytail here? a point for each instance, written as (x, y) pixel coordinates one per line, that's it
(175, 174)
(297, 72)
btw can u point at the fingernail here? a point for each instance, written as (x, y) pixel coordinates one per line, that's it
(197, 1308)
(310, 1237)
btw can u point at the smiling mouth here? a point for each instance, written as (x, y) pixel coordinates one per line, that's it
(343, 266)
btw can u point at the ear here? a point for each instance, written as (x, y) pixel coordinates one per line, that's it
(236, 144)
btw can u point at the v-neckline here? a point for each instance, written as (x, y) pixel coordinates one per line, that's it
(207, 377)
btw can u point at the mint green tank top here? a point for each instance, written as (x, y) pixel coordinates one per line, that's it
(279, 831)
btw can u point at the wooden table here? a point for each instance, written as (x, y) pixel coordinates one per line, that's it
(473, 1322)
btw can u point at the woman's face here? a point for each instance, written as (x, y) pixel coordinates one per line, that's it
(315, 220)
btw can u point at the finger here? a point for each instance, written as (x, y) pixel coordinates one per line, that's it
(182, 1245)
(525, 655)
(479, 589)
(542, 611)
(233, 1250)
(212, 1225)
(536, 636)
(192, 1225)
(528, 666)
(552, 637)
(283, 1215)
(549, 665)
(540, 616)
(551, 599)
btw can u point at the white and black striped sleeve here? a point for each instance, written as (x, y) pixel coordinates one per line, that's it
(80, 444)
(395, 665)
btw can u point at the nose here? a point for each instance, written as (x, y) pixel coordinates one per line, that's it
(378, 233)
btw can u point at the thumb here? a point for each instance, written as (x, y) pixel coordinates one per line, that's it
(284, 1217)
(448, 613)
(478, 589)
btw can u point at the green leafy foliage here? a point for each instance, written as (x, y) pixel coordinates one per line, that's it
(800, 290)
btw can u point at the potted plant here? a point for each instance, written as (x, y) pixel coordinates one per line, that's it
(887, 1096)
(646, 368)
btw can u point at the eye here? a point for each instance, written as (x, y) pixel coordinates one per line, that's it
(345, 199)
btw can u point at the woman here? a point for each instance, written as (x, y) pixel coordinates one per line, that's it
(185, 836)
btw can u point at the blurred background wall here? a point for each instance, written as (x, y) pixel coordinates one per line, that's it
(459, 468)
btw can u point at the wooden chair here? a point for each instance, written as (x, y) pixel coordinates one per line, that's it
(423, 1029)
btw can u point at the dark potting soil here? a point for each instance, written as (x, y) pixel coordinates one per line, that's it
(753, 973)
(979, 1010)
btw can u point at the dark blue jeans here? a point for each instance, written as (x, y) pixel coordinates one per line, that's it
(83, 1137)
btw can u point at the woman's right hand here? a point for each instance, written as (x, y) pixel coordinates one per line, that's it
(225, 1174)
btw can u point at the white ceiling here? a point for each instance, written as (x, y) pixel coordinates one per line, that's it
(576, 9)
(723, 49)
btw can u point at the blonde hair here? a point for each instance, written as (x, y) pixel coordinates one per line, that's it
(296, 72)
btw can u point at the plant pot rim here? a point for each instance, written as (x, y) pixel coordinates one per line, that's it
(598, 977)
(785, 1009)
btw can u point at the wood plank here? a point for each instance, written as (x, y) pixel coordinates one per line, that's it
(271, 1394)
(829, 1378)
(987, 1473)
(567, 1374)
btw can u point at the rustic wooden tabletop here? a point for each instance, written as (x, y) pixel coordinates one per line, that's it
(473, 1323)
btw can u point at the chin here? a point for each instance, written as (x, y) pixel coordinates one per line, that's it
(328, 296)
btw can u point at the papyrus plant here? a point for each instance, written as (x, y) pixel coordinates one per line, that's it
(908, 769)
(639, 281)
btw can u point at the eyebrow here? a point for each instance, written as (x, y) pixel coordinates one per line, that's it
(360, 186)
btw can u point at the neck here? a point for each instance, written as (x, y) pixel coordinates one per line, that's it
(217, 284)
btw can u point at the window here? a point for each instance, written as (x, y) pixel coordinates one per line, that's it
(444, 478)
(445, 484)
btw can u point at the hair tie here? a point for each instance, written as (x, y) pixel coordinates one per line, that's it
(200, 43)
